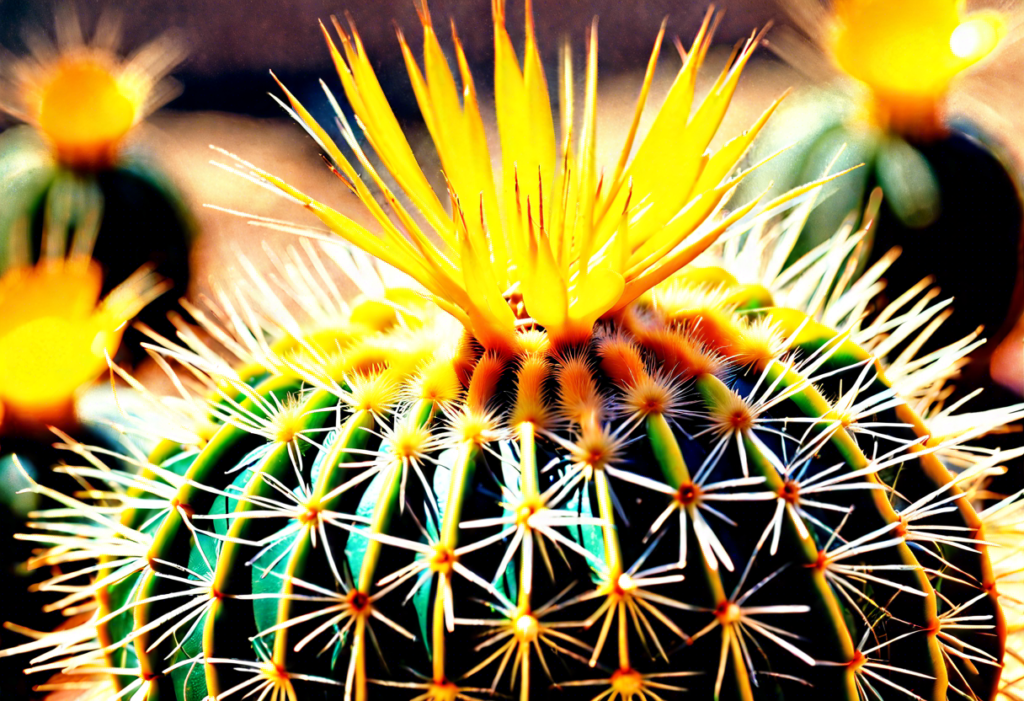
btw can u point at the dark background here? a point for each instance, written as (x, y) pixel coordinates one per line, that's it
(233, 43)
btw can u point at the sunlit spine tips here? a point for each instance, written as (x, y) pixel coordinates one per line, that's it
(679, 354)
(596, 448)
(437, 382)
(476, 427)
(652, 395)
(621, 360)
(533, 341)
(411, 441)
(756, 343)
(483, 387)
(375, 392)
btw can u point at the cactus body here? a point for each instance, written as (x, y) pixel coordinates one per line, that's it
(354, 506)
(736, 504)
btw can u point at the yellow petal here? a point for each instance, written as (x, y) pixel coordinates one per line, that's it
(544, 289)
(598, 294)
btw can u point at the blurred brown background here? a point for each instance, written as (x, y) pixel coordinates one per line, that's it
(233, 43)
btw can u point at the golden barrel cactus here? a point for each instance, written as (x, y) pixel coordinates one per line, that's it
(561, 455)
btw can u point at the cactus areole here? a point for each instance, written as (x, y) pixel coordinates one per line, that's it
(558, 460)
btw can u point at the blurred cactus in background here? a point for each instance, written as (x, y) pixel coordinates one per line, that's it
(952, 202)
(57, 330)
(585, 434)
(81, 103)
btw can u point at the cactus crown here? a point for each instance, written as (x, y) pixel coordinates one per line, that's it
(81, 96)
(552, 240)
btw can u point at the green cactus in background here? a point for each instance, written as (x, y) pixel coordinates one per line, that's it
(547, 452)
(82, 104)
(883, 82)
(57, 330)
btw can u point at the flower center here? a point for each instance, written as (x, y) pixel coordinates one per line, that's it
(85, 113)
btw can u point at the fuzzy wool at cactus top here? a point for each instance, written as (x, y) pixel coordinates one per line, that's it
(585, 430)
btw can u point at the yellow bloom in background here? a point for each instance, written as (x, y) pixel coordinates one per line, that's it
(908, 52)
(55, 330)
(904, 53)
(82, 96)
(82, 101)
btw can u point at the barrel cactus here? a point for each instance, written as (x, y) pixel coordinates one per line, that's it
(543, 451)
(56, 331)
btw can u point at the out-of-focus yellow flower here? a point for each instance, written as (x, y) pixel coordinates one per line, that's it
(56, 331)
(907, 52)
(85, 98)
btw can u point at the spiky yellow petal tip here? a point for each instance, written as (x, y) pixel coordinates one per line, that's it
(908, 52)
(549, 241)
(83, 97)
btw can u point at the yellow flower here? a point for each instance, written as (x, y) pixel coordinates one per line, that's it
(907, 52)
(55, 331)
(550, 240)
(83, 97)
